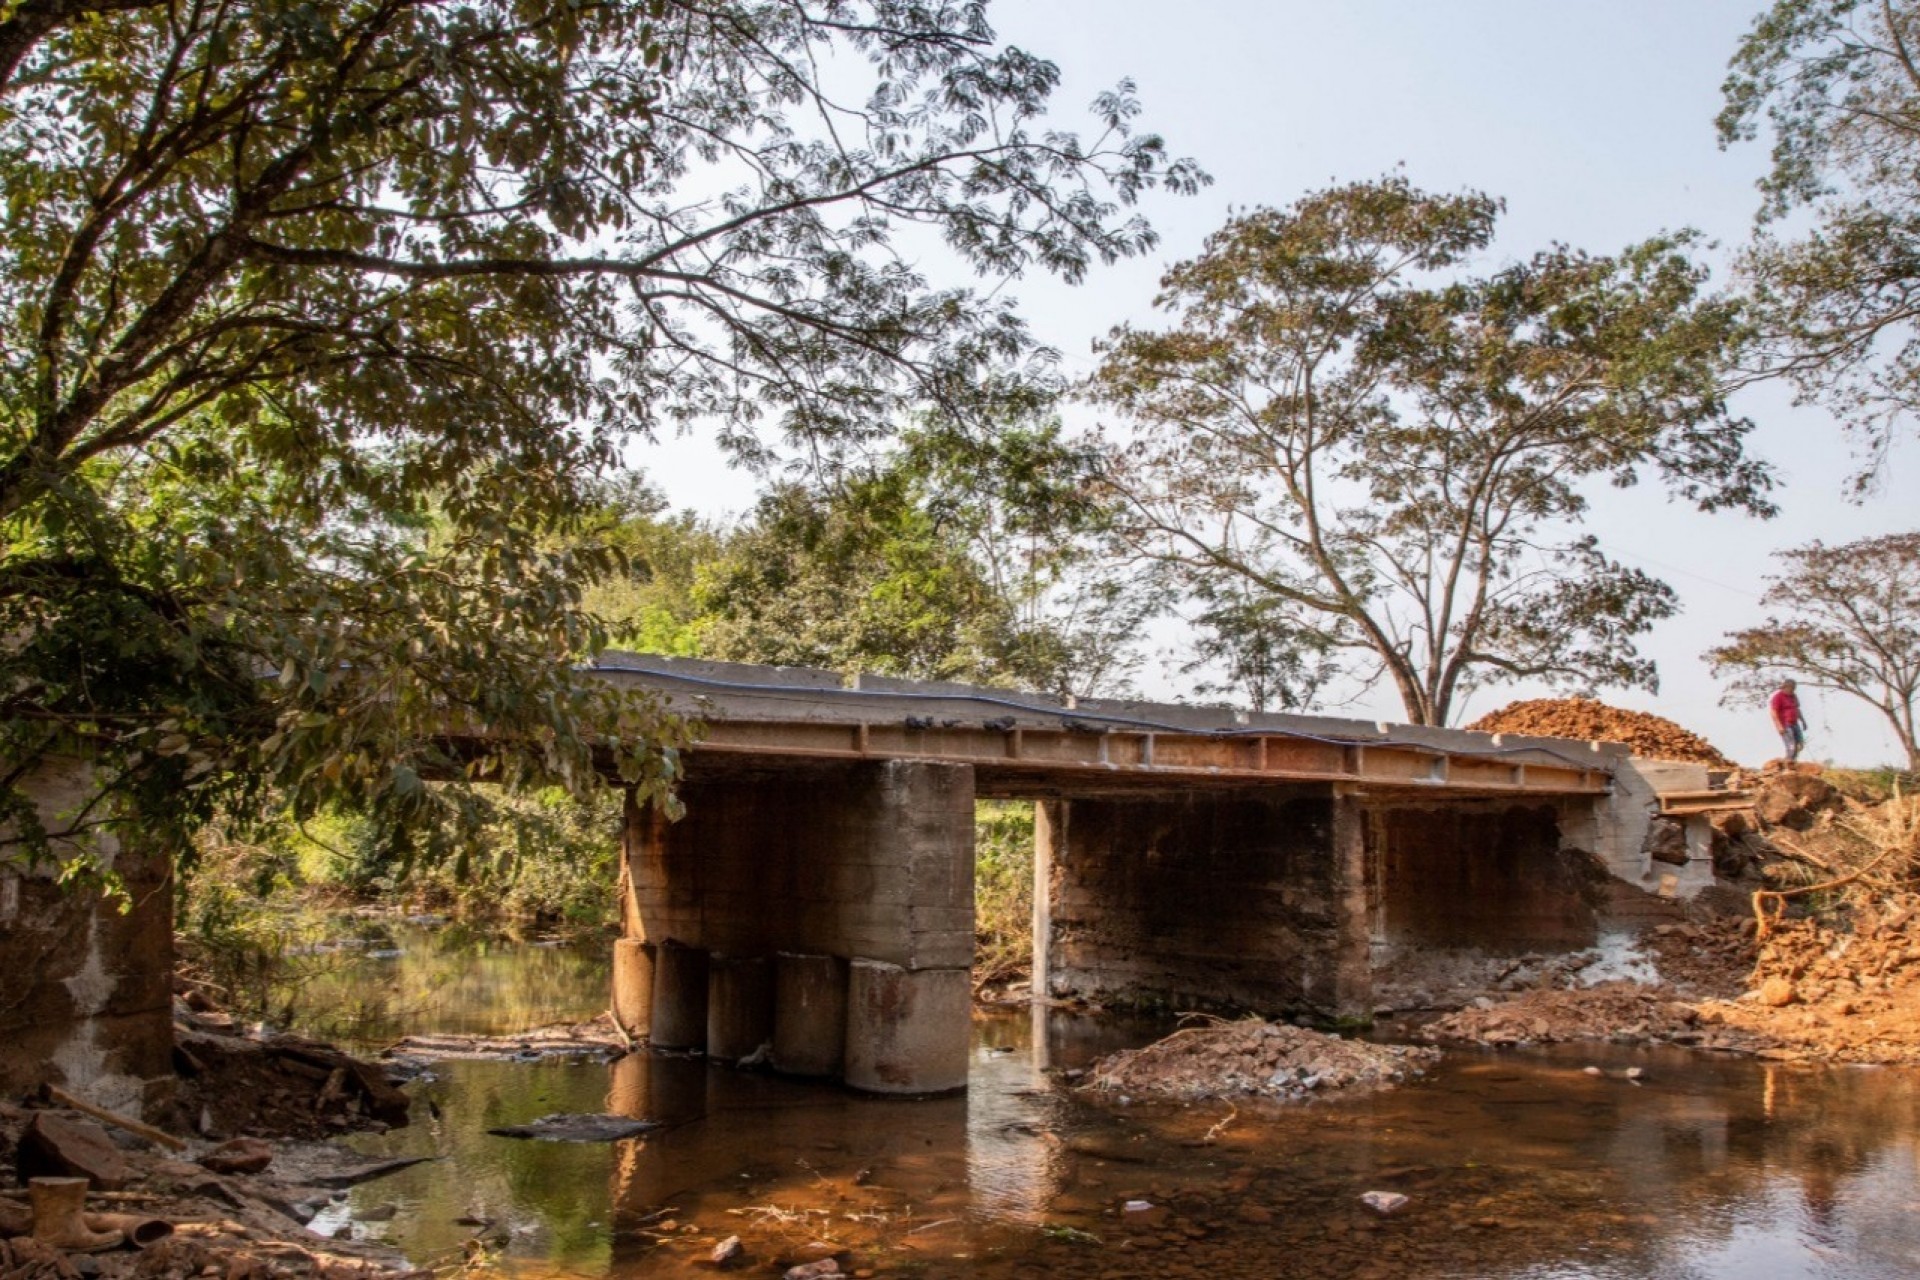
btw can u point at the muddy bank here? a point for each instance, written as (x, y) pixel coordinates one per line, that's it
(235, 1209)
(222, 1186)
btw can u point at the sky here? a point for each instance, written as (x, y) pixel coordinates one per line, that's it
(1594, 121)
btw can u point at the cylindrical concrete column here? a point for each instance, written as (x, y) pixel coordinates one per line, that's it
(739, 1006)
(633, 985)
(679, 997)
(907, 1029)
(809, 1014)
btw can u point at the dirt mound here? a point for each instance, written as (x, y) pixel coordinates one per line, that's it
(1880, 956)
(1251, 1057)
(1625, 1011)
(1590, 720)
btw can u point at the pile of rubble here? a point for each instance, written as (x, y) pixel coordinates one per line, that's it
(275, 1085)
(87, 1192)
(115, 1199)
(1590, 720)
(1249, 1057)
(1628, 1012)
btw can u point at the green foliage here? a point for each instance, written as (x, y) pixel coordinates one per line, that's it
(945, 557)
(1349, 444)
(1847, 619)
(319, 320)
(1837, 84)
(1002, 890)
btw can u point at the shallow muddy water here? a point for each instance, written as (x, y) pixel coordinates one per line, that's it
(1516, 1164)
(368, 980)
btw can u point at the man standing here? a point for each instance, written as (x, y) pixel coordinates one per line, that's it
(1787, 720)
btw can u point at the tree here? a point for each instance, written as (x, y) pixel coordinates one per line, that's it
(1848, 620)
(1379, 453)
(286, 283)
(1837, 83)
(945, 557)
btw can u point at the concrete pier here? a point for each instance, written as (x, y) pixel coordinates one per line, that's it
(907, 1029)
(842, 859)
(739, 1006)
(1247, 898)
(679, 997)
(809, 1014)
(633, 986)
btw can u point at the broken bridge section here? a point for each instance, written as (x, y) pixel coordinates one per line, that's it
(818, 896)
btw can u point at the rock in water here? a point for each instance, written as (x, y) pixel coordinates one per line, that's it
(577, 1128)
(813, 1270)
(1384, 1202)
(728, 1252)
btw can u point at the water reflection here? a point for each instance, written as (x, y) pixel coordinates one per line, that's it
(369, 980)
(1517, 1165)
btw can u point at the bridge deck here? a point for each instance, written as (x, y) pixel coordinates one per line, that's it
(773, 718)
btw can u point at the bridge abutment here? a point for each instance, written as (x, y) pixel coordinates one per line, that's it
(1246, 898)
(870, 863)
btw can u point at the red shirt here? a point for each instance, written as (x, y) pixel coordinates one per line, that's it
(1785, 705)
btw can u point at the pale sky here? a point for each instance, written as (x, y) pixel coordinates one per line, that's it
(1593, 120)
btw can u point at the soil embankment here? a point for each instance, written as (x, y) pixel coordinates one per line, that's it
(1814, 953)
(1252, 1058)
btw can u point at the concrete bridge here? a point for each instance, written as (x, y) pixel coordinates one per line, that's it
(818, 895)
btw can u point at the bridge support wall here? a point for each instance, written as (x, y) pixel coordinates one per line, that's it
(1253, 899)
(1487, 875)
(88, 998)
(865, 862)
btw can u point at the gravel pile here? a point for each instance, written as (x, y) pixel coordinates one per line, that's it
(1254, 1058)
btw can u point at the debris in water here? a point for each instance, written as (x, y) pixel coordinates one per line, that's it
(577, 1128)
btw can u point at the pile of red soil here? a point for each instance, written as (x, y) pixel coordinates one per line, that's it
(1624, 1011)
(1589, 720)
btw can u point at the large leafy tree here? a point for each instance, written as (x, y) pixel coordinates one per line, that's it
(1845, 618)
(316, 316)
(941, 558)
(1359, 444)
(1836, 84)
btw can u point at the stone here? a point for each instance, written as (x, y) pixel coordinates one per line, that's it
(813, 1270)
(240, 1155)
(728, 1252)
(57, 1147)
(1259, 1215)
(1791, 799)
(1384, 1202)
(1667, 842)
(1777, 992)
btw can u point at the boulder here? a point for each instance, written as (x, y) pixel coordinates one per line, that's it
(1777, 992)
(1792, 799)
(58, 1147)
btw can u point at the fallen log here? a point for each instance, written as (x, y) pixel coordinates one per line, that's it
(136, 1127)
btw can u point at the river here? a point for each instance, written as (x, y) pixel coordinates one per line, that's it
(1515, 1163)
